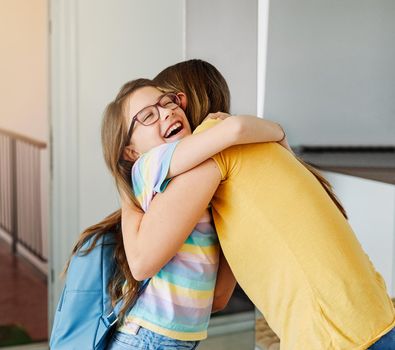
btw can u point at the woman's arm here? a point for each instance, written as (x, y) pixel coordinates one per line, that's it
(236, 130)
(224, 286)
(161, 231)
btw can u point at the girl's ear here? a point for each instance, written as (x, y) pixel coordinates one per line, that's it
(183, 99)
(130, 154)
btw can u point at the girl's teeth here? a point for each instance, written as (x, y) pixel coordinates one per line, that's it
(175, 126)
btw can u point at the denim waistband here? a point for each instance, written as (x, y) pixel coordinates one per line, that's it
(386, 342)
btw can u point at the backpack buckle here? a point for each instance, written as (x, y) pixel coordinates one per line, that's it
(111, 319)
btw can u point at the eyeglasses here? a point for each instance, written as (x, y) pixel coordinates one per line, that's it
(150, 114)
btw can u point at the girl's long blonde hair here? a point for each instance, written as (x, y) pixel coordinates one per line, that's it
(207, 92)
(114, 140)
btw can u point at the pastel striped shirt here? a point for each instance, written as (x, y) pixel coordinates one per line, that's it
(177, 301)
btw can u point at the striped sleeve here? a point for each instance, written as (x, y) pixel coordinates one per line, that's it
(149, 173)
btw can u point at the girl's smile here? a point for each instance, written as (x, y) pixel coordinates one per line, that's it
(173, 129)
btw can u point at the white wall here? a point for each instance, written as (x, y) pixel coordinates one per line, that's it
(330, 70)
(24, 67)
(224, 32)
(96, 46)
(117, 41)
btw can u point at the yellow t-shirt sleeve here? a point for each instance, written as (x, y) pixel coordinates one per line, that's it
(206, 124)
(219, 158)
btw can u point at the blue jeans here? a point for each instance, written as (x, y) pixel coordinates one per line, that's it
(386, 342)
(148, 340)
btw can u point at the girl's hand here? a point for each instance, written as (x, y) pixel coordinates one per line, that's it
(284, 142)
(286, 145)
(218, 115)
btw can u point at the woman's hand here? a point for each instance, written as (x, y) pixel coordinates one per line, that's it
(224, 286)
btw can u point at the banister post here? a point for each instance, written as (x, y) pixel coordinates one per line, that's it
(14, 206)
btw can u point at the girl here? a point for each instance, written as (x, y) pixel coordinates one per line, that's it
(175, 306)
(288, 244)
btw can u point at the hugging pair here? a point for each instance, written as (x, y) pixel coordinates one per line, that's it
(283, 235)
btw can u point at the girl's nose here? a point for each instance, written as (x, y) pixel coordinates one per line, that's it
(165, 113)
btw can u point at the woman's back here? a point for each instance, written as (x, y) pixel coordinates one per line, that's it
(294, 254)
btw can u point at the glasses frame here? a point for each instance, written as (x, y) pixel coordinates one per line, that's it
(177, 101)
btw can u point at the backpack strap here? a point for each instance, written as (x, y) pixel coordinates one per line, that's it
(112, 317)
(117, 308)
(142, 288)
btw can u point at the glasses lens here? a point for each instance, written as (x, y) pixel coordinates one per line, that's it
(148, 115)
(170, 101)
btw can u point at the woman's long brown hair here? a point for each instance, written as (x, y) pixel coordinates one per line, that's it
(114, 140)
(207, 92)
(204, 86)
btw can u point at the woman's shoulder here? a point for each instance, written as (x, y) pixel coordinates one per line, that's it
(206, 124)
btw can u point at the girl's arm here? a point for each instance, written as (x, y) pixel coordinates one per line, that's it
(236, 130)
(152, 239)
(224, 286)
(160, 233)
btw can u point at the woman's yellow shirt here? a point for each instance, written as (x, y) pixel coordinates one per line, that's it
(293, 252)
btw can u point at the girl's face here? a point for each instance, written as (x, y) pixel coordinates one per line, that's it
(172, 124)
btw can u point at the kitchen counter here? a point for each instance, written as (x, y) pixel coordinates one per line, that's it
(374, 163)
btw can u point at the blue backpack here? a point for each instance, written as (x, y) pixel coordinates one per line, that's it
(84, 317)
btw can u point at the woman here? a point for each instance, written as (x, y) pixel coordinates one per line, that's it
(288, 244)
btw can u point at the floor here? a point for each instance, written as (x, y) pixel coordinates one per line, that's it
(23, 295)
